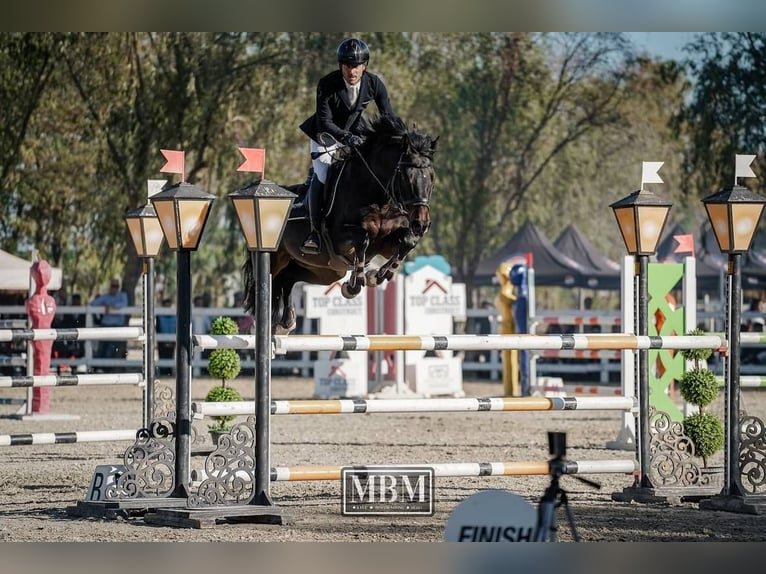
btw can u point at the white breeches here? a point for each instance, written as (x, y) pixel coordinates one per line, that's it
(322, 163)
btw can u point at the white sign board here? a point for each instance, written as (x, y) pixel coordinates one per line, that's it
(341, 378)
(492, 516)
(432, 303)
(337, 315)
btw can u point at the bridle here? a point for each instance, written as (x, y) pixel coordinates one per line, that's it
(392, 188)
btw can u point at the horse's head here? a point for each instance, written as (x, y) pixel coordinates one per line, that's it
(414, 180)
(400, 160)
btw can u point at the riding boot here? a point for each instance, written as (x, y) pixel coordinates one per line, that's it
(312, 245)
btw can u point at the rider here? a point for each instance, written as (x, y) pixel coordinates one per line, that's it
(342, 96)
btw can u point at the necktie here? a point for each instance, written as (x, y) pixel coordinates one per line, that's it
(353, 94)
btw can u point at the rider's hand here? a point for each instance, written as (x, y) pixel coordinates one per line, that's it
(353, 140)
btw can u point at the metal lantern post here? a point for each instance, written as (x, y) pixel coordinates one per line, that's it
(641, 217)
(146, 233)
(734, 213)
(262, 209)
(182, 210)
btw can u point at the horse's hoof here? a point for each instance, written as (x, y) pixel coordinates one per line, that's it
(280, 329)
(350, 292)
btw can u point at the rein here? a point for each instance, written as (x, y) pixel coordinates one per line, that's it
(390, 188)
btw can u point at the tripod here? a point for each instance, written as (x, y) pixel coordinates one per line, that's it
(555, 496)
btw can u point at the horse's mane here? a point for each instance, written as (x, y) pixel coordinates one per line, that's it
(386, 129)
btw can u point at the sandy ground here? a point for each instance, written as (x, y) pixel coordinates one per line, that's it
(39, 482)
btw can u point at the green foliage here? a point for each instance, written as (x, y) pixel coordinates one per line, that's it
(699, 386)
(706, 432)
(224, 326)
(724, 114)
(696, 355)
(517, 114)
(224, 364)
(219, 395)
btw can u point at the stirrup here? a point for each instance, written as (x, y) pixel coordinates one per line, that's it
(311, 245)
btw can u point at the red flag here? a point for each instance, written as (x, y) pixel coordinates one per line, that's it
(255, 159)
(175, 163)
(685, 244)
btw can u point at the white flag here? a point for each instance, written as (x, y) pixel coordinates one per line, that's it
(649, 172)
(154, 186)
(742, 168)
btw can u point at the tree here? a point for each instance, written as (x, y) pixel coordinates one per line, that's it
(27, 61)
(596, 170)
(724, 116)
(506, 105)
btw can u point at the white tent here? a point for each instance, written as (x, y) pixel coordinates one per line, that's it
(14, 274)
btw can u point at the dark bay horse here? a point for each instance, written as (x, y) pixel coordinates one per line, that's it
(376, 204)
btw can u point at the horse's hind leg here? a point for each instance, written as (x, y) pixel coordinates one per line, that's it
(283, 314)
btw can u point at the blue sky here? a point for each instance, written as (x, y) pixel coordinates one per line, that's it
(667, 45)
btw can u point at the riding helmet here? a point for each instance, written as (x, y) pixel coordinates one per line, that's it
(353, 51)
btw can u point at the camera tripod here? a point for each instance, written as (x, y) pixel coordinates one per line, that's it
(555, 496)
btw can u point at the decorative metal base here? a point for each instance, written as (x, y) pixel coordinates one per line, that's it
(211, 517)
(674, 475)
(665, 495)
(738, 504)
(125, 509)
(229, 472)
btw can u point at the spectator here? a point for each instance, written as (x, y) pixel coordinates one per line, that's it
(112, 301)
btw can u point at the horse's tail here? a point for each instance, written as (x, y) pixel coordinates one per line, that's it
(247, 274)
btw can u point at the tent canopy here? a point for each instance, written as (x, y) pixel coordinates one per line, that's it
(603, 273)
(15, 275)
(552, 267)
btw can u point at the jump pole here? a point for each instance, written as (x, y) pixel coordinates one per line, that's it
(67, 437)
(72, 380)
(83, 334)
(363, 406)
(460, 469)
(609, 341)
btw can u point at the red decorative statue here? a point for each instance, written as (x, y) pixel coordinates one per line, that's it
(41, 309)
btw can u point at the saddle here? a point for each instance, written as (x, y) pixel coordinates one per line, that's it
(299, 210)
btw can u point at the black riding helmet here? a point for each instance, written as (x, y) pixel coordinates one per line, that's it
(353, 52)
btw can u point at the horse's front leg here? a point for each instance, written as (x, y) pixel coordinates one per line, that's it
(376, 277)
(361, 241)
(393, 265)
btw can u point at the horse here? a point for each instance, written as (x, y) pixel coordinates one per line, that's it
(376, 204)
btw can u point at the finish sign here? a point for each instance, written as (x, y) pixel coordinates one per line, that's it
(492, 516)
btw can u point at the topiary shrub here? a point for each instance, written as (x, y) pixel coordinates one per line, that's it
(696, 355)
(222, 394)
(699, 386)
(223, 364)
(705, 430)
